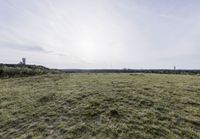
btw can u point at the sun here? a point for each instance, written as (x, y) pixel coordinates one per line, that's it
(88, 46)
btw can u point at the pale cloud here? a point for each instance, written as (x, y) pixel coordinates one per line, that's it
(101, 33)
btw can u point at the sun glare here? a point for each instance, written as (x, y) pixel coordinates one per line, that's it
(88, 46)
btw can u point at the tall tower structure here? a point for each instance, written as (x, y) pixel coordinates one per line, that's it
(24, 61)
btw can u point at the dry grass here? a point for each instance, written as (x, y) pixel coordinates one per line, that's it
(100, 106)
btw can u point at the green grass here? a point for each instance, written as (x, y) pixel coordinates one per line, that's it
(98, 106)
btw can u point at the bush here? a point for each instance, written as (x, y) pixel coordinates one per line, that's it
(11, 70)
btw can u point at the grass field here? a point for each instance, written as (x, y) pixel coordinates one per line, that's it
(98, 106)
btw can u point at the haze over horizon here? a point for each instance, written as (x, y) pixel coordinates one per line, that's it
(101, 33)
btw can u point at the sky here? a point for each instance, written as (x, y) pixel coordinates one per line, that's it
(138, 34)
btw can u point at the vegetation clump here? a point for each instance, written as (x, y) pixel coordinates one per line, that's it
(13, 70)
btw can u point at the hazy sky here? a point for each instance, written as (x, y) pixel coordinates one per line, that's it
(101, 33)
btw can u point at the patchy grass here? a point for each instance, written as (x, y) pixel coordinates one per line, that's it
(124, 106)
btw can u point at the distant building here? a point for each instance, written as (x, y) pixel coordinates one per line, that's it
(23, 62)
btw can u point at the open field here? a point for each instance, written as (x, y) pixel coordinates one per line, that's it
(124, 106)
